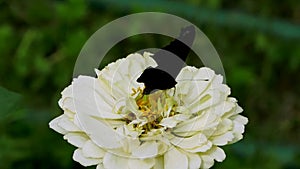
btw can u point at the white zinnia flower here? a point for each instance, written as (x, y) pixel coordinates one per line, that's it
(113, 125)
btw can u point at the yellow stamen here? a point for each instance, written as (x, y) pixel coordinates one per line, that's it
(151, 108)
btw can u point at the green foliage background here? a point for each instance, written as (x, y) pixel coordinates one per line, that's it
(258, 42)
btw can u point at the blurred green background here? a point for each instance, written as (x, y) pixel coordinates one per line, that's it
(258, 42)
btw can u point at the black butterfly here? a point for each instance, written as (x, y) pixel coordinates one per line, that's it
(163, 76)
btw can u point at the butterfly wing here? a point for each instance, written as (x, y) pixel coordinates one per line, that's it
(172, 57)
(170, 60)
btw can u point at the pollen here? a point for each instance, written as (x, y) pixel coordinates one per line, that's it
(152, 109)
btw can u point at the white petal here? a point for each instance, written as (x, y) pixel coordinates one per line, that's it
(205, 73)
(189, 142)
(141, 163)
(67, 92)
(238, 109)
(241, 119)
(190, 72)
(88, 99)
(175, 159)
(67, 103)
(162, 146)
(207, 161)
(77, 139)
(101, 134)
(68, 125)
(238, 128)
(146, 150)
(208, 99)
(69, 114)
(169, 122)
(100, 166)
(194, 161)
(91, 150)
(224, 107)
(76, 121)
(121, 76)
(218, 154)
(191, 90)
(112, 161)
(224, 126)
(79, 157)
(194, 82)
(202, 148)
(223, 139)
(235, 110)
(130, 144)
(204, 121)
(54, 125)
(114, 123)
(195, 90)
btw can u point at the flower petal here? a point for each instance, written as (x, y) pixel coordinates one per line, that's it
(202, 148)
(141, 163)
(121, 76)
(68, 125)
(101, 134)
(54, 125)
(193, 82)
(175, 159)
(207, 161)
(169, 122)
(218, 154)
(79, 157)
(204, 121)
(76, 139)
(112, 161)
(91, 150)
(89, 100)
(189, 142)
(146, 150)
(194, 161)
(100, 166)
(223, 139)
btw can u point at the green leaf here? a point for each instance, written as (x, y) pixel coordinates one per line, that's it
(9, 101)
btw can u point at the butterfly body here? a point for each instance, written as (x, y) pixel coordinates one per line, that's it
(154, 78)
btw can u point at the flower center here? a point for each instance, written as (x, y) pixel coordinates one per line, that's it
(152, 109)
